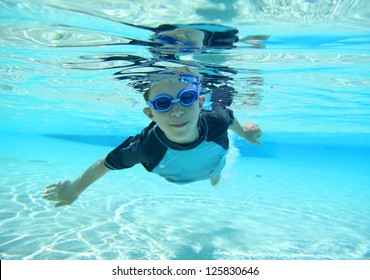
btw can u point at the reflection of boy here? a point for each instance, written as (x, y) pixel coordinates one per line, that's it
(183, 143)
(202, 36)
(199, 35)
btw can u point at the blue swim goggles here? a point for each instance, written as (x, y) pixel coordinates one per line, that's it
(164, 102)
(169, 40)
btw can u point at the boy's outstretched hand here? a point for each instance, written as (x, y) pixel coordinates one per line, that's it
(63, 192)
(66, 192)
(252, 132)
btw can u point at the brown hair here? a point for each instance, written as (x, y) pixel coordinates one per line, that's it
(170, 74)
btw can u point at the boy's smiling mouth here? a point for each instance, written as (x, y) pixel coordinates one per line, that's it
(179, 125)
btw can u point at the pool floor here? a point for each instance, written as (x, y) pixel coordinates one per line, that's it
(293, 198)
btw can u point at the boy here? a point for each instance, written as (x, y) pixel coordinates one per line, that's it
(183, 143)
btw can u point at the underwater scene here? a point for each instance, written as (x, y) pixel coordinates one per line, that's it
(72, 80)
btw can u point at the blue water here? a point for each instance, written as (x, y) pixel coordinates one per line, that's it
(304, 194)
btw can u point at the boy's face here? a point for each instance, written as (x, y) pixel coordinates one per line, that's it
(179, 123)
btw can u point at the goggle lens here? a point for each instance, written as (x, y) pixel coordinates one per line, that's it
(165, 39)
(164, 102)
(188, 97)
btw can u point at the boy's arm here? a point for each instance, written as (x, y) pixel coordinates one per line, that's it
(250, 131)
(67, 192)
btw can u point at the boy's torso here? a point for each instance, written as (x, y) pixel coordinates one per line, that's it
(177, 163)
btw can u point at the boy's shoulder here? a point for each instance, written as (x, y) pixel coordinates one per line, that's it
(218, 116)
(218, 121)
(142, 148)
(149, 136)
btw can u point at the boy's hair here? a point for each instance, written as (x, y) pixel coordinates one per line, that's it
(183, 74)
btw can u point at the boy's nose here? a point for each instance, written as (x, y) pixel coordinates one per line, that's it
(177, 110)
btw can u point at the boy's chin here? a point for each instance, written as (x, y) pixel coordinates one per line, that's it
(181, 137)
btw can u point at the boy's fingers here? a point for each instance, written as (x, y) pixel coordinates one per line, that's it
(55, 185)
(255, 142)
(51, 194)
(50, 197)
(258, 143)
(51, 191)
(46, 195)
(48, 191)
(61, 204)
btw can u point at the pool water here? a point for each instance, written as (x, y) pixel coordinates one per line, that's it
(303, 194)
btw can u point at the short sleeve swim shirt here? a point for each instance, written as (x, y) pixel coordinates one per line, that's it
(178, 163)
